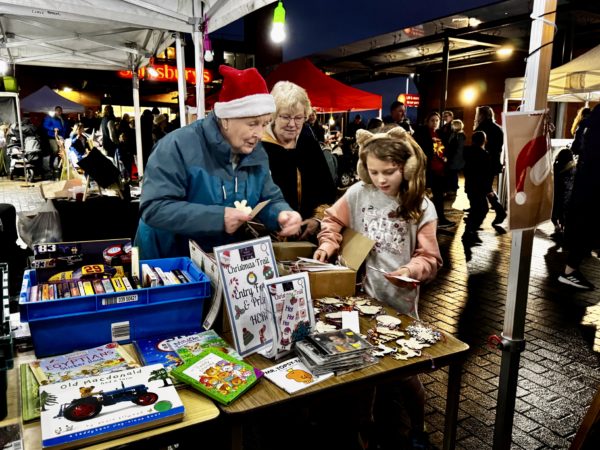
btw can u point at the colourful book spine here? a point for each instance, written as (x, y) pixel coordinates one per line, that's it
(107, 285)
(117, 283)
(33, 292)
(74, 288)
(127, 284)
(87, 288)
(98, 287)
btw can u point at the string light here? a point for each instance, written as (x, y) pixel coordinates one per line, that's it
(278, 28)
(331, 120)
(208, 51)
(151, 70)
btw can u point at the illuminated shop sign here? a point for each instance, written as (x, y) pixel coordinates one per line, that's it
(168, 73)
(411, 100)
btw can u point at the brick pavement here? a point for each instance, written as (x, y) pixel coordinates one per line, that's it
(560, 367)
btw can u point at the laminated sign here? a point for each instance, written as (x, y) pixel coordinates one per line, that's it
(244, 267)
(530, 182)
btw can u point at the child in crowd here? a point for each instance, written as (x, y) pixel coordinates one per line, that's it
(478, 183)
(391, 208)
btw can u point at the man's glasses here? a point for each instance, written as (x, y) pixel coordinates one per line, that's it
(298, 120)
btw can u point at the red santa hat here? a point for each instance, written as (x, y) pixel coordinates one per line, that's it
(244, 94)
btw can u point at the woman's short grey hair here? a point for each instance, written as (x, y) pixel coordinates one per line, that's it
(288, 95)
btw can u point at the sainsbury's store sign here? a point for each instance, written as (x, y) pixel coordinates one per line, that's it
(167, 73)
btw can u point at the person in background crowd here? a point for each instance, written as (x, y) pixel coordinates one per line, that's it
(374, 123)
(390, 207)
(316, 127)
(485, 121)
(577, 131)
(80, 143)
(564, 177)
(427, 137)
(196, 173)
(582, 220)
(478, 182)
(159, 130)
(354, 126)
(54, 125)
(126, 143)
(446, 128)
(90, 122)
(454, 154)
(146, 123)
(398, 116)
(298, 165)
(109, 131)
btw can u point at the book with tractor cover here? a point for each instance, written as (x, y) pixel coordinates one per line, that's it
(218, 375)
(80, 412)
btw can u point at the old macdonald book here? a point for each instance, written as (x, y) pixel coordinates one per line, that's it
(218, 375)
(79, 412)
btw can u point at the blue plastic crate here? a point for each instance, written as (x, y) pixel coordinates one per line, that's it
(68, 324)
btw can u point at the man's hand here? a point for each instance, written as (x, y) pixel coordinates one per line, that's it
(312, 227)
(290, 222)
(234, 218)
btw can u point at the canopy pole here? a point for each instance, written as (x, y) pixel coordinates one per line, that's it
(513, 335)
(181, 88)
(198, 38)
(445, 66)
(138, 123)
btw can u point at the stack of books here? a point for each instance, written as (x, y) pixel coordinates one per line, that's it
(338, 351)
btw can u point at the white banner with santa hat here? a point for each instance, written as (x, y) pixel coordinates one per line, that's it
(530, 182)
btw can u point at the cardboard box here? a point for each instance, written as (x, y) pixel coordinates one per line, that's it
(331, 283)
(60, 189)
(288, 251)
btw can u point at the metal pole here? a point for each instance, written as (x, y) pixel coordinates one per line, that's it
(181, 87)
(513, 343)
(199, 64)
(445, 65)
(138, 123)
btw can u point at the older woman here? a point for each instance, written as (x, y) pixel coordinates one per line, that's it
(196, 173)
(297, 163)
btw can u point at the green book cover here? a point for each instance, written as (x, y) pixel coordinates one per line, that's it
(218, 375)
(30, 399)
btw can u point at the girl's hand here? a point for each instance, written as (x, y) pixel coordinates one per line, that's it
(312, 227)
(401, 272)
(234, 218)
(290, 222)
(320, 255)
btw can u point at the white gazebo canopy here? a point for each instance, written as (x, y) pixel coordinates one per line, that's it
(113, 34)
(576, 81)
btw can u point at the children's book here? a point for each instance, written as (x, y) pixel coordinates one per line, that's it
(94, 361)
(30, 400)
(290, 312)
(92, 409)
(157, 350)
(218, 375)
(187, 347)
(243, 268)
(292, 375)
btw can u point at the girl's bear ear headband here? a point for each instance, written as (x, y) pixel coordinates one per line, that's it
(364, 138)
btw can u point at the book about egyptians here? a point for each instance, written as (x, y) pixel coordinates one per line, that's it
(187, 347)
(29, 389)
(93, 409)
(293, 376)
(218, 375)
(244, 267)
(104, 359)
(290, 310)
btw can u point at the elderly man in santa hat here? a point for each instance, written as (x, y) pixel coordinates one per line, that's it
(196, 174)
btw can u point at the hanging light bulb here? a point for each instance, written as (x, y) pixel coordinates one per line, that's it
(208, 51)
(331, 120)
(152, 72)
(278, 28)
(3, 67)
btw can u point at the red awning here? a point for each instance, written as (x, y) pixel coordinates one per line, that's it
(325, 93)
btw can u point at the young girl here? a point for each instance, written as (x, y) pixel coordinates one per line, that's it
(390, 207)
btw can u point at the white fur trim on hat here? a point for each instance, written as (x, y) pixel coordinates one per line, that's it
(249, 106)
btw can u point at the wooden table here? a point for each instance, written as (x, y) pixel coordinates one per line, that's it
(198, 409)
(449, 351)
